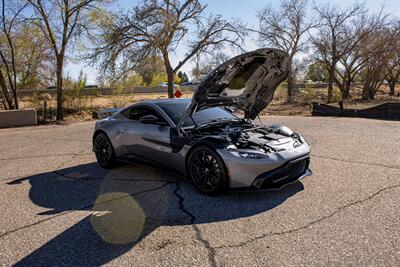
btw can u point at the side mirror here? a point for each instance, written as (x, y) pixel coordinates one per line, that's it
(149, 119)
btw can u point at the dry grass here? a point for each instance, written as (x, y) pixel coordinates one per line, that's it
(81, 109)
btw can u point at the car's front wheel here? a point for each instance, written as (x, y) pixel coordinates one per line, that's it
(207, 171)
(104, 151)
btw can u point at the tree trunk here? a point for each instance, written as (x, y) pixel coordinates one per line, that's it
(14, 91)
(370, 89)
(371, 93)
(290, 88)
(170, 75)
(345, 94)
(59, 84)
(346, 90)
(15, 97)
(392, 87)
(341, 86)
(7, 102)
(330, 83)
(365, 95)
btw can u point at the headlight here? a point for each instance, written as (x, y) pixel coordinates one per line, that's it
(246, 153)
(251, 155)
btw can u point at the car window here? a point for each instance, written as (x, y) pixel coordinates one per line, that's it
(176, 110)
(135, 113)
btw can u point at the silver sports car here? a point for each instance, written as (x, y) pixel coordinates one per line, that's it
(202, 137)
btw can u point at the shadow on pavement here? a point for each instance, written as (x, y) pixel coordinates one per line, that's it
(126, 204)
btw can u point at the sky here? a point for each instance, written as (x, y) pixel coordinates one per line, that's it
(246, 10)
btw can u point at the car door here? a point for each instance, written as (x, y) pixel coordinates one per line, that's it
(149, 142)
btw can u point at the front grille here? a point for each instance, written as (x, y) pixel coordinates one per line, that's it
(289, 172)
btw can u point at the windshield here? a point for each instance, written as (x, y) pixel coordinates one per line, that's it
(175, 111)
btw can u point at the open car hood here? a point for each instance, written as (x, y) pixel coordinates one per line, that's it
(247, 82)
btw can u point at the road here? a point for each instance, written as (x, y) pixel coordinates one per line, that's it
(58, 207)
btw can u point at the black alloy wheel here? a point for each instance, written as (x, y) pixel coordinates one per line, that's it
(207, 171)
(104, 151)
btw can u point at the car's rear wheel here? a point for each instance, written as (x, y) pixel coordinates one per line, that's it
(207, 171)
(104, 151)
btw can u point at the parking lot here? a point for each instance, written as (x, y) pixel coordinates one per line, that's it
(58, 207)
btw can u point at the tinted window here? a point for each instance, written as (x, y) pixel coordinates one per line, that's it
(175, 111)
(135, 113)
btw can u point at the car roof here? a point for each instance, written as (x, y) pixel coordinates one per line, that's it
(167, 100)
(153, 102)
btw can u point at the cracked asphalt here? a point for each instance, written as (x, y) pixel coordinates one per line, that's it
(58, 207)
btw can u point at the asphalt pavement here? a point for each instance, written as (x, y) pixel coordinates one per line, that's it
(58, 207)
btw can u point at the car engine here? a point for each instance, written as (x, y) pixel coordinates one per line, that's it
(265, 139)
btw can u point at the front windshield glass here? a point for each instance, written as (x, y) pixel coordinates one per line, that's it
(175, 111)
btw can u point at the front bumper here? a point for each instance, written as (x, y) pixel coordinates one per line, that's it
(288, 173)
(279, 169)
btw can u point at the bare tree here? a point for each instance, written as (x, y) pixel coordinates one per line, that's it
(285, 28)
(349, 67)
(157, 28)
(393, 72)
(8, 81)
(205, 64)
(352, 59)
(393, 64)
(331, 34)
(60, 21)
(377, 50)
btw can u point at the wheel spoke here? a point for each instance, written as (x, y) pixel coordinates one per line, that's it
(196, 165)
(198, 160)
(205, 170)
(103, 150)
(213, 179)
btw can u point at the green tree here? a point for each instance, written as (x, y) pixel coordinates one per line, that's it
(9, 26)
(61, 21)
(35, 62)
(149, 67)
(185, 78)
(82, 79)
(182, 77)
(285, 27)
(317, 72)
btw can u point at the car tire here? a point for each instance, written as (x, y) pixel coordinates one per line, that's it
(104, 151)
(207, 171)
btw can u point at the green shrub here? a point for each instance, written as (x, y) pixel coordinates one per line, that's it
(75, 98)
(308, 94)
(36, 101)
(336, 94)
(120, 96)
(281, 92)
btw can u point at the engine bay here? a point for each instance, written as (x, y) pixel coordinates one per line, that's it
(245, 135)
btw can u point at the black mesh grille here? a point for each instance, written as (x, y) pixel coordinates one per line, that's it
(289, 172)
